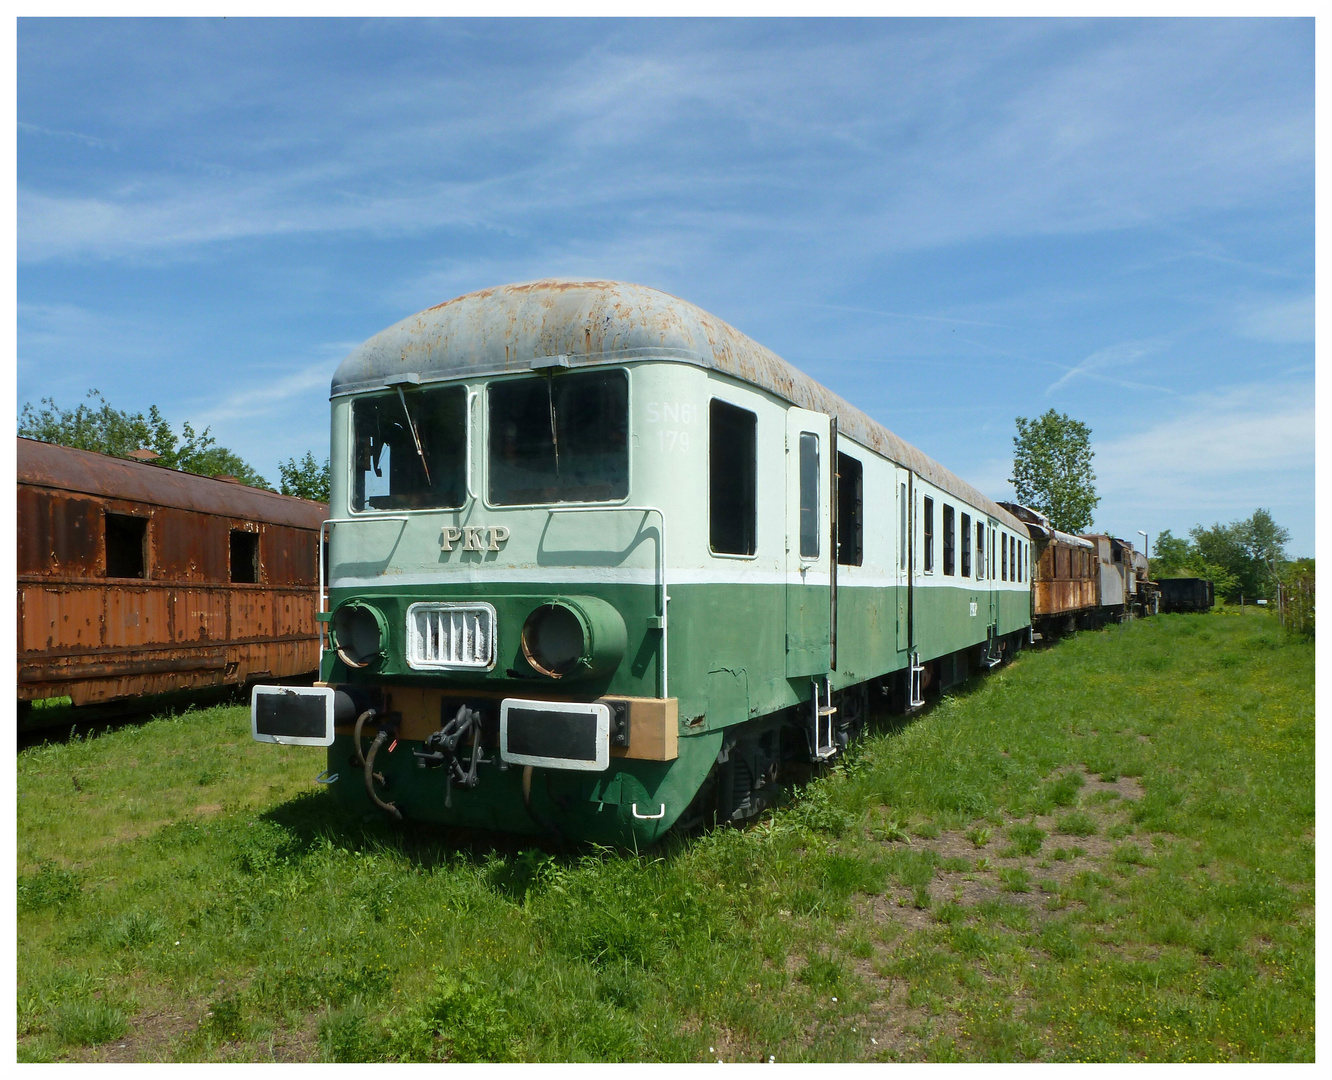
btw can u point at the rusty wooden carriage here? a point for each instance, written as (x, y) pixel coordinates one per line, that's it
(1064, 580)
(138, 580)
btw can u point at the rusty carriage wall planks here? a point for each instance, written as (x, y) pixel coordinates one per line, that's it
(136, 580)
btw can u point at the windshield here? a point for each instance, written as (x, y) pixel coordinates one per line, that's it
(410, 449)
(559, 438)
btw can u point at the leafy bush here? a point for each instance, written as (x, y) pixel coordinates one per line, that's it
(817, 811)
(50, 886)
(463, 1018)
(349, 1035)
(226, 1018)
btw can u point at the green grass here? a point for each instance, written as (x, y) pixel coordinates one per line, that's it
(1138, 885)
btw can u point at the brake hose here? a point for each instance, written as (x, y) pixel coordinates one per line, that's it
(357, 758)
(371, 776)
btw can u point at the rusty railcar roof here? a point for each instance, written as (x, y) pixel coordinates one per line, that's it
(514, 328)
(1038, 523)
(66, 469)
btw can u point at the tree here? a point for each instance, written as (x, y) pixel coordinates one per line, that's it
(1265, 541)
(1244, 558)
(1052, 470)
(1250, 551)
(106, 430)
(305, 479)
(1170, 555)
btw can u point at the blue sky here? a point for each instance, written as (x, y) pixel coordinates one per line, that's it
(950, 223)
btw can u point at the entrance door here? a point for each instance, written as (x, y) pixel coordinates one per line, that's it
(808, 549)
(902, 500)
(992, 573)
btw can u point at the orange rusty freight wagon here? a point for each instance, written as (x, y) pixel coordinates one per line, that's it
(138, 580)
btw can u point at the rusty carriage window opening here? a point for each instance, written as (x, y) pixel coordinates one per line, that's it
(126, 545)
(244, 557)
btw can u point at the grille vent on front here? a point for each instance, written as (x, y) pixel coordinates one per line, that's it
(446, 637)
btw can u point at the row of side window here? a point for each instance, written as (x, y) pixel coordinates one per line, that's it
(733, 505)
(1011, 553)
(126, 538)
(733, 489)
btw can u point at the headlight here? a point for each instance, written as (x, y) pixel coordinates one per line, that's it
(575, 635)
(358, 633)
(553, 640)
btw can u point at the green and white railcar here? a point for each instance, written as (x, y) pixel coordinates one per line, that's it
(599, 563)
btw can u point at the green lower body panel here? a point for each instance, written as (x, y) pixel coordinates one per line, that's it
(737, 652)
(631, 803)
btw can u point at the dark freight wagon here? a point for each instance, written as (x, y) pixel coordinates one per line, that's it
(139, 580)
(1185, 594)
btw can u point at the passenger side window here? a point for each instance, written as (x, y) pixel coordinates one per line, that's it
(980, 551)
(732, 479)
(850, 511)
(809, 495)
(949, 539)
(966, 545)
(929, 535)
(1003, 556)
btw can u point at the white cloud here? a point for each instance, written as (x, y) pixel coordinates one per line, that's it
(269, 396)
(901, 137)
(1284, 322)
(76, 136)
(1226, 450)
(1103, 362)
